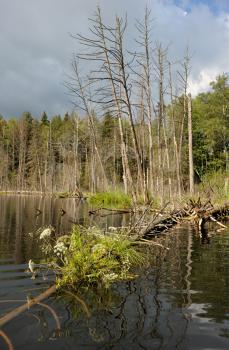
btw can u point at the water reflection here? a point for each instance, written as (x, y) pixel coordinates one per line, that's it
(179, 301)
(21, 215)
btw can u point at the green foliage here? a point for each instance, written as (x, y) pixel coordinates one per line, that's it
(63, 194)
(107, 126)
(216, 186)
(211, 127)
(112, 199)
(58, 154)
(44, 119)
(97, 259)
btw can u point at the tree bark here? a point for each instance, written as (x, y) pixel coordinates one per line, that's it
(190, 147)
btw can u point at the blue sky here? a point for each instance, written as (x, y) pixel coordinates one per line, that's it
(36, 48)
(215, 5)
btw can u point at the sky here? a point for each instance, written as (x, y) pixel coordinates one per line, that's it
(36, 46)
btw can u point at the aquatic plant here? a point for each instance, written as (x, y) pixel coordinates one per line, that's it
(112, 199)
(90, 257)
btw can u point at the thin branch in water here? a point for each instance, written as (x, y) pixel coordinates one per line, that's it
(81, 301)
(7, 340)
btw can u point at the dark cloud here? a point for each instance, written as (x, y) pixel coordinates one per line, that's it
(36, 48)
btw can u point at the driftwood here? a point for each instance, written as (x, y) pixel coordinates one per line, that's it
(202, 213)
(164, 223)
(195, 211)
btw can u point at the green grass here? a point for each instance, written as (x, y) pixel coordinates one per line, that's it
(112, 199)
(63, 194)
(96, 259)
(216, 186)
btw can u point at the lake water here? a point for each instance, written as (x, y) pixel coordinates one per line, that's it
(180, 301)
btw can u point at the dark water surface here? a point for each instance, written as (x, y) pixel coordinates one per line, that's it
(181, 301)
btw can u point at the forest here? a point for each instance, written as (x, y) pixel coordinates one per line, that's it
(134, 127)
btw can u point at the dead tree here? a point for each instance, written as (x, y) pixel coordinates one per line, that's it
(175, 144)
(183, 78)
(110, 82)
(190, 150)
(161, 67)
(107, 54)
(144, 78)
(82, 101)
(122, 66)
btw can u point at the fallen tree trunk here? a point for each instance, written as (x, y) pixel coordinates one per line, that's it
(196, 211)
(163, 224)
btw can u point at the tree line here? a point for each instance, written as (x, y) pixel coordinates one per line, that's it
(134, 125)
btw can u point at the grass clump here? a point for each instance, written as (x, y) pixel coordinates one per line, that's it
(94, 259)
(113, 199)
(214, 186)
(63, 194)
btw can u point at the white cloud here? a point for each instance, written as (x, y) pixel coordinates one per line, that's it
(201, 83)
(36, 48)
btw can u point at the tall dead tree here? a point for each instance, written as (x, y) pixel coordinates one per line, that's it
(190, 150)
(162, 141)
(78, 90)
(111, 86)
(125, 96)
(175, 144)
(144, 78)
(106, 35)
(183, 78)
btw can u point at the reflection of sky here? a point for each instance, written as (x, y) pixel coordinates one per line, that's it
(198, 312)
(205, 333)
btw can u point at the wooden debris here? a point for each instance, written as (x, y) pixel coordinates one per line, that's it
(195, 211)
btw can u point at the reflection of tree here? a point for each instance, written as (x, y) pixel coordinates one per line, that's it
(6, 340)
(224, 332)
(146, 314)
(150, 312)
(189, 267)
(210, 277)
(18, 229)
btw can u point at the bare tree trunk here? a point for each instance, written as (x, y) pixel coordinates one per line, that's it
(77, 190)
(126, 97)
(176, 151)
(46, 166)
(144, 61)
(190, 150)
(39, 172)
(21, 167)
(167, 160)
(160, 67)
(184, 81)
(90, 116)
(127, 177)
